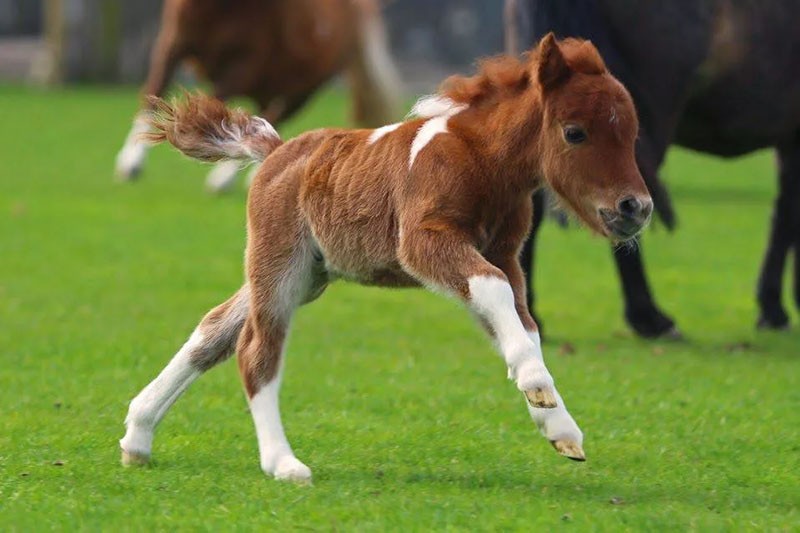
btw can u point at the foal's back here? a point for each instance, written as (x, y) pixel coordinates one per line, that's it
(346, 188)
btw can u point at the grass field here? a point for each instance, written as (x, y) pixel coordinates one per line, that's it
(393, 398)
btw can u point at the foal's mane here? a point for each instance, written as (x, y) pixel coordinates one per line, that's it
(506, 75)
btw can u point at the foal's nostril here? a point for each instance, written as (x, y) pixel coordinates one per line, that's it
(629, 207)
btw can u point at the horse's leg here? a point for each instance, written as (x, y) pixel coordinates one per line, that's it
(528, 254)
(221, 178)
(556, 424)
(374, 82)
(784, 234)
(212, 342)
(280, 283)
(445, 261)
(641, 312)
(164, 59)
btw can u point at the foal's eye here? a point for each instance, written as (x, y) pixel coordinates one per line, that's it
(574, 134)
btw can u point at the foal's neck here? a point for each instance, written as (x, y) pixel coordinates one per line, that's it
(506, 133)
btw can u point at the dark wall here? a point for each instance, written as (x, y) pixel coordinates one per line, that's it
(20, 17)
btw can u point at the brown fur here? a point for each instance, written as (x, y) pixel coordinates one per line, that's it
(329, 204)
(196, 128)
(277, 52)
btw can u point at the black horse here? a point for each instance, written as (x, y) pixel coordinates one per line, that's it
(717, 76)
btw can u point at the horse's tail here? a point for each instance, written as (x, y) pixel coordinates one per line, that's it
(203, 128)
(374, 80)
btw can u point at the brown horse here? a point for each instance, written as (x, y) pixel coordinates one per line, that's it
(277, 53)
(442, 201)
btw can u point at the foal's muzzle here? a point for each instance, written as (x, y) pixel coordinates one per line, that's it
(631, 215)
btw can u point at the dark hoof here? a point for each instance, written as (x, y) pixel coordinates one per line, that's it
(129, 175)
(767, 323)
(673, 334)
(653, 324)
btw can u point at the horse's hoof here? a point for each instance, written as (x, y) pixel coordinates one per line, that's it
(541, 398)
(772, 324)
(134, 459)
(650, 323)
(293, 470)
(673, 334)
(128, 174)
(569, 449)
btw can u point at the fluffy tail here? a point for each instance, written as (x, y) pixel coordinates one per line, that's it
(374, 79)
(203, 128)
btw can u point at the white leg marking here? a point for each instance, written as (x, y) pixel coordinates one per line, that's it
(380, 132)
(131, 158)
(555, 424)
(150, 405)
(277, 458)
(222, 176)
(493, 299)
(440, 110)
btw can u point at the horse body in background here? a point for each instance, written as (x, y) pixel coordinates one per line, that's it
(717, 76)
(442, 201)
(277, 53)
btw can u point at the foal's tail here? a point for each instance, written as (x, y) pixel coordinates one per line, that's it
(203, 128)
(375, 83)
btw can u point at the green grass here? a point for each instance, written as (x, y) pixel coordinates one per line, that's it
(393, 398)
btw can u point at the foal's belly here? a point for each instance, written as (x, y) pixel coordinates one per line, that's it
(362, 251)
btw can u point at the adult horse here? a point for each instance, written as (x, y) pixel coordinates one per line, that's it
(717, 76)
(277, 53)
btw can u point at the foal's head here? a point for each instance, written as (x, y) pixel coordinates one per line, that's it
(588, 131)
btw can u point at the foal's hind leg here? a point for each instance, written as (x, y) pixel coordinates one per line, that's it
(282, 275)
(212, 342)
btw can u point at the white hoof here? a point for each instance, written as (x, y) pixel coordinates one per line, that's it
(129, 162)
(290, 468)
(134, 459)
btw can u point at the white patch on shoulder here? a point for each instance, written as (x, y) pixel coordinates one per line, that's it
(435, 106)
(380, 132)
(439, 110)
(425, 134)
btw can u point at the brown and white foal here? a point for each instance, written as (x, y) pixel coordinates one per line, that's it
(442, 200)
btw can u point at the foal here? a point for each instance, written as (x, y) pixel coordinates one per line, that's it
(442, 200)
(277, 53)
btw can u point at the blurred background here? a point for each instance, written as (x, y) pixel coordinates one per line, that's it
(109, 41)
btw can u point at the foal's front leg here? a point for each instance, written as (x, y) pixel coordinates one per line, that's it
(556, 424)
(446, 261)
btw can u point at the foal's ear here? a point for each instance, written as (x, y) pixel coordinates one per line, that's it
(552, 68)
